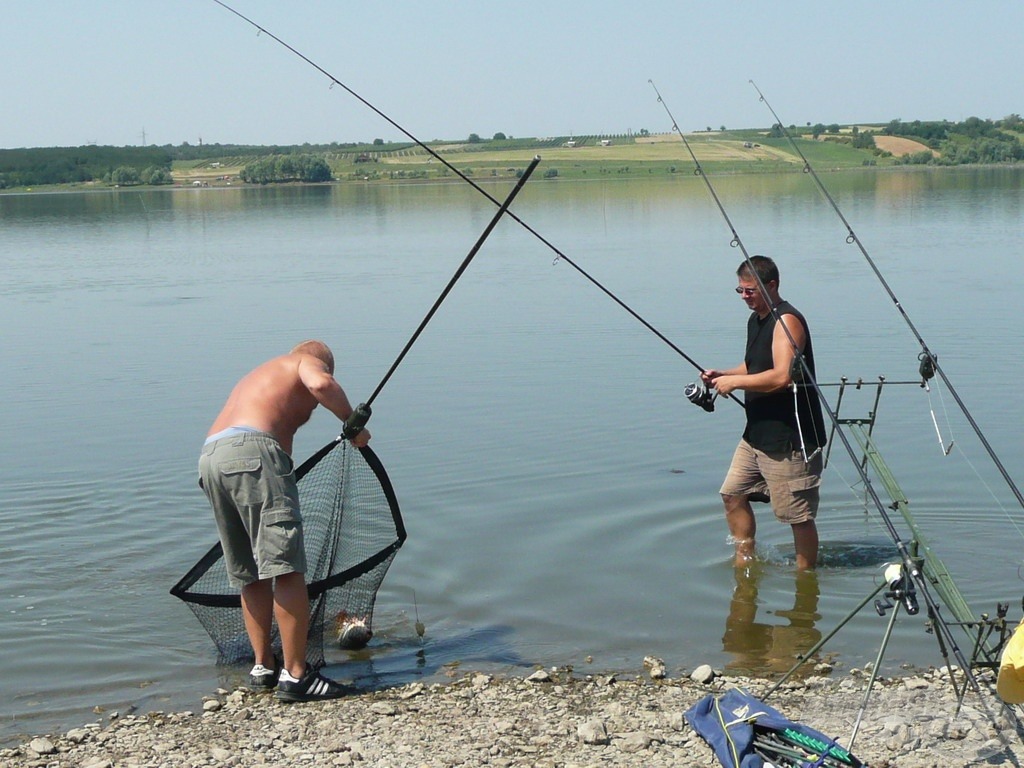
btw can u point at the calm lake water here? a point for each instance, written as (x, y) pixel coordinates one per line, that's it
(560, 493)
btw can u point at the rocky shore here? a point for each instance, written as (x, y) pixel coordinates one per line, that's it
(553, 718)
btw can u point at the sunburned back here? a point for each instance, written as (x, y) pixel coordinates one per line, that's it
(271, 398)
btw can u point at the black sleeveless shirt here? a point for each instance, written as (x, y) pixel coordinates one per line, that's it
(771, 419)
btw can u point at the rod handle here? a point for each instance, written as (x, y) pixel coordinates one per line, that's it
(356, 421)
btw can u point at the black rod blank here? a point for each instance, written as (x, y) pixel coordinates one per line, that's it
(911, 567)
(458, 273)
(927, 356)
(433, 153)
(361, 414)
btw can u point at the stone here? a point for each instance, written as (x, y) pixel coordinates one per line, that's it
(593, 732)
(655, 667)
(42, 746)
(633, 742)
(703, 674)
(220, 754)
(413, 690)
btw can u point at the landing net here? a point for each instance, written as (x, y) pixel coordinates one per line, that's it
(353, 530)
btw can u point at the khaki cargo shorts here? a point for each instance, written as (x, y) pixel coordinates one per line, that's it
(792, 484)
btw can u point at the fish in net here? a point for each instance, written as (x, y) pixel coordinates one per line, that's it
(353, 529)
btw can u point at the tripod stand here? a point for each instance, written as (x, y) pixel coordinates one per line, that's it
(901, 589)
(900, 593)
(916, 574)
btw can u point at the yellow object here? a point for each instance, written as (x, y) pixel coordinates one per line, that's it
(1010, 681)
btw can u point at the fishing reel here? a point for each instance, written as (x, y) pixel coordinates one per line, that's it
(699, 394)
(900, 588)
(927, 367)
(797, 373)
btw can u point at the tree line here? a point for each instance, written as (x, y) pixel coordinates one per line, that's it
(64, 165)
(283, 168)
(127, 166)
(971, 141)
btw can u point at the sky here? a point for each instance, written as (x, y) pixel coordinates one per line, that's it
(128, 72)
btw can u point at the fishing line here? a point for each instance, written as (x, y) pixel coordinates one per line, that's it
(991, 492)
(927, 370)
(736, 242)
(804, 371)
(558, 253)
(909, 564)
(935, 422)
(929, 360)
(361, 414)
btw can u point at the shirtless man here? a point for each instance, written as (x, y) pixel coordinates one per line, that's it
(247, 473)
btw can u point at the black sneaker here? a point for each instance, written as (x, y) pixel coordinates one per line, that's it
(261, 678)
(312, 687)
(760, 496)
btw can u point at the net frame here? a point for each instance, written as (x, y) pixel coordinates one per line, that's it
(353, 529)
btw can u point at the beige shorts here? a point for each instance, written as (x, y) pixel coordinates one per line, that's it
(792, 483)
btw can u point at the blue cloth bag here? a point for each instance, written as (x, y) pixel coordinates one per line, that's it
(727, 724)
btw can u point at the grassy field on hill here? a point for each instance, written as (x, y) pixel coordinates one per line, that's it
(588, 157)
(579, 157)
(972, 141)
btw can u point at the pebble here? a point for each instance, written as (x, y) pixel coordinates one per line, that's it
(655, 667)
(549, 720)
(703, 674)
(593, 732)
(540, 676)
(42, 746)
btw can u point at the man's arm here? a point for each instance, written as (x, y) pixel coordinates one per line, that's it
(711, 375)
(780, 375)
(328, 392)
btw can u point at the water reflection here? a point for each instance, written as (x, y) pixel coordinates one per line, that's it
(761, 648)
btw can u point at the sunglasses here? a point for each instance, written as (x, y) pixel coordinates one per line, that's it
(746, 292)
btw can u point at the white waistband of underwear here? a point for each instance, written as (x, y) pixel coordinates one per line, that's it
(230, 432)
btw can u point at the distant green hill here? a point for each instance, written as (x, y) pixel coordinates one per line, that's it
(974, 141)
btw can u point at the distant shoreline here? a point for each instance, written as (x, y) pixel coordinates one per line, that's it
(632, 155)
(234, 183)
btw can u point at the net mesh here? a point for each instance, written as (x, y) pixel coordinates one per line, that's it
(352, 528)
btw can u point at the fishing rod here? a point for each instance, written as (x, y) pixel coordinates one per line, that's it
(447, 164)
(911, 572)
(929, 361)
(735, 242)
(361, 414)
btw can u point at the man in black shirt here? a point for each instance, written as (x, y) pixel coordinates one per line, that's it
(780, 451)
